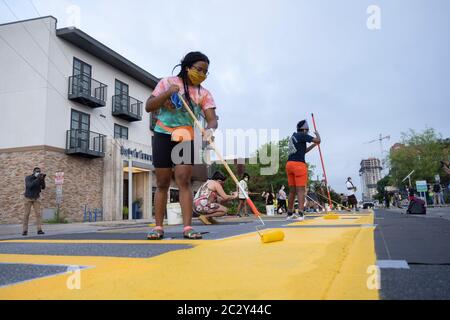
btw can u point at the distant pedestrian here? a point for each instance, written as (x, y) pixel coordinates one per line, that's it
(438, 198)
(269, 198)
(351, 197)
(34, 184)
(242, 199)
(281, 200)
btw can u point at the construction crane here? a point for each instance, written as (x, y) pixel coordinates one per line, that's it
(380, 139)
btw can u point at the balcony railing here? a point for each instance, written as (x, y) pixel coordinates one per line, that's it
(85, 143)
(126, 107)
(87, 91)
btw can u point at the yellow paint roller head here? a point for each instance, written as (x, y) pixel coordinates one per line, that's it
(271, 236)
(331, 216)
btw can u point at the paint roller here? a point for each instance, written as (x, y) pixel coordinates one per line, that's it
(267, 236)
(330, 215)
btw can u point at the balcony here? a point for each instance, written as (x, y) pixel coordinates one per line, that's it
(126, 107)
(85, 143)
(87, 91)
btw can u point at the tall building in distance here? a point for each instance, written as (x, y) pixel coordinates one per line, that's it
(370, 174)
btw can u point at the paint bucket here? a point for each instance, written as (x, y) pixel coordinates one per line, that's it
(270, 210)
(174, 214)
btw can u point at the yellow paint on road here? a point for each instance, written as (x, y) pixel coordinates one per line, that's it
(311, 263)
(344, 220)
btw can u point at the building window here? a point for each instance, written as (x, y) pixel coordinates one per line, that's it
(82, 73)
(121, 99)
(79, 121)
(121, 88)
(120, 132)
(79, 129)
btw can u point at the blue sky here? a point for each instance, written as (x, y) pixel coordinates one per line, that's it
(275, 62)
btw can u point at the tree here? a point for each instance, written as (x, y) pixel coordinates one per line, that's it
(259, 183)
(380, 188)
(421, 152)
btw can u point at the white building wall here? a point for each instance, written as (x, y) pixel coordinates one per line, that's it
(102, 120)
(23, 88)
(43, 109)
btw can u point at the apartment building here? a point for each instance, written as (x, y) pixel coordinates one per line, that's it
(72, 105)
(370, 174)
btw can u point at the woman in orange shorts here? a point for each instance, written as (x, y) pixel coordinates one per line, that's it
(296, 169)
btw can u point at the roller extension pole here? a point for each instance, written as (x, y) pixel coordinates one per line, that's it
(225, 164)
(323, 166)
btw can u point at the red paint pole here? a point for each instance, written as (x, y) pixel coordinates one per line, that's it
(323, 166)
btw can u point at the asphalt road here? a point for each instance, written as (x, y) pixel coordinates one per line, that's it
(412, 251)
(424, 243)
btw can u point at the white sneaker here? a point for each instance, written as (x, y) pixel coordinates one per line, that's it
(295, 217)
(292, 217)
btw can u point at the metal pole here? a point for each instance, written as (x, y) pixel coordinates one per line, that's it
(150, 176)
(323, 166)
(130, 189)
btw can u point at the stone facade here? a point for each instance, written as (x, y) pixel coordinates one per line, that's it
(83, 182)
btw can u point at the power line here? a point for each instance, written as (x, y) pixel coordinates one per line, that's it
(45, 79)
(114, 141)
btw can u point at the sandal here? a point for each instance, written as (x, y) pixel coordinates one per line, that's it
(205, 220)
(156, 234)
(192, 234)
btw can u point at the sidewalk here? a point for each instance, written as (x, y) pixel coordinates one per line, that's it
(14, 231)
(10, 231)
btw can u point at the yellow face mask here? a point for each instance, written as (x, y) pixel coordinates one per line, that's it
(196, 77)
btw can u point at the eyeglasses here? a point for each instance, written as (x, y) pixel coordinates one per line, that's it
(200, 69)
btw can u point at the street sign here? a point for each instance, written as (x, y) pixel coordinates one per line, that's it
(421, 186)
(59, 194)
(59, 178)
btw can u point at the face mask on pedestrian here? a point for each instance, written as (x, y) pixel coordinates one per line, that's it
(196, 77)
(37, 173)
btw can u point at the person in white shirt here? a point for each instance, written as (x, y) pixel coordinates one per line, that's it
(281, 200)
(242, 199)
(351, 198)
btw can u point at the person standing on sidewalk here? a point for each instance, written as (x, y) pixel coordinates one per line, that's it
(351, 197)
(242, 199)
(281, 200)
(438, 196)
(34, 184)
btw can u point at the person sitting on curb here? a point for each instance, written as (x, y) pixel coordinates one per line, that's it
(209, 198)
(34, 184)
